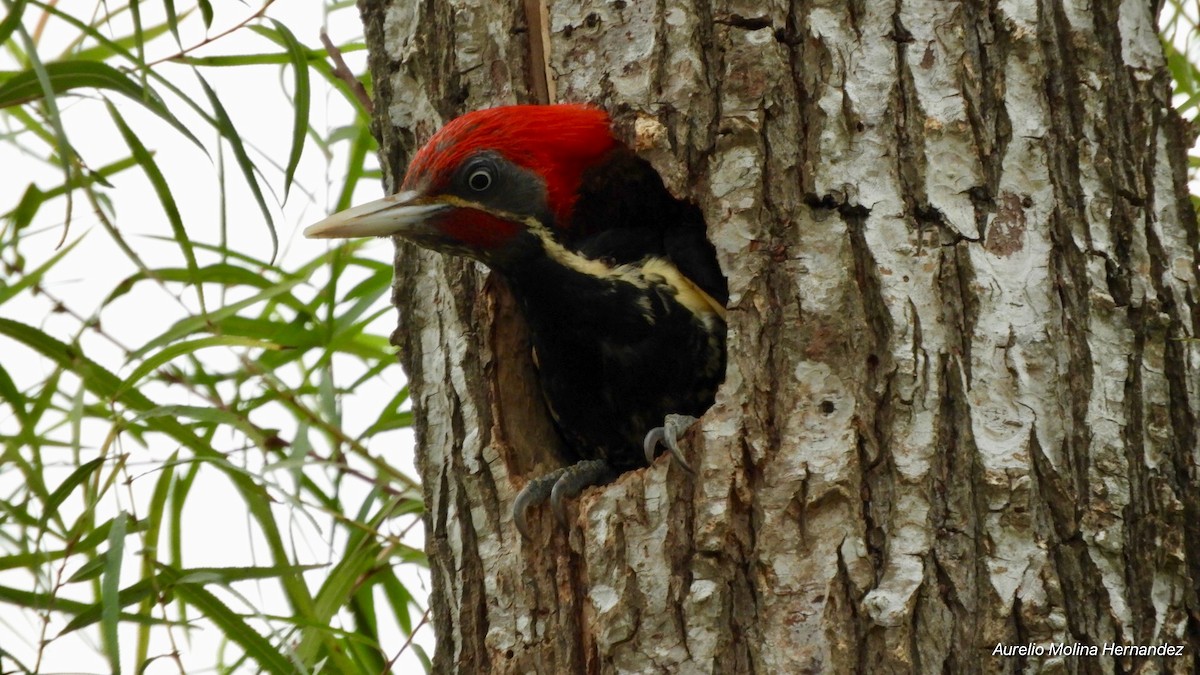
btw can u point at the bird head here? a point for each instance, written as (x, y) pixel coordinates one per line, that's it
(485, 179)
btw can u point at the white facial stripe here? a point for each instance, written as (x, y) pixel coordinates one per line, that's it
(396, 213)
(640, 274)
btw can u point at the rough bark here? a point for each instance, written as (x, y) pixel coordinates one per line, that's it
(961, 400)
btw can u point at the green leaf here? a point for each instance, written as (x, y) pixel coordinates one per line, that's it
(392, 417)
(173, 351)
(163, 191)
(10, 393)
(223, 274)
(225, 126)
(48, 601)
(106, 386)
(1183, 71)
(235, 60)
(399, 598)
(110, 587)
(355, 568)
(34, 277)
(139, 38)
(293, 335)
(167, 577)
(195, 324)
(172, 19)
(154, 524)
(34, 558)
(23, 213)
(314, 57)
(34, 196)
(105, 50)
(363, 143)
(157, 515)
(179, 495)
(68, 485)
(118, 49)
(228, 253)
(231, 624)
(40, 78)
(10, 22)
(214, 416)
(64, 76)
(206, 12)
(90, 570)
(422, 656)
(300, 102)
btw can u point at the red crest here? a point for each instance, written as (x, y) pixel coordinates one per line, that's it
(557, 142)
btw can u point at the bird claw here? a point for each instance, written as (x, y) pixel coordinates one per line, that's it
(557, 486)
(535, 492)
(577, 478)
(668, 434)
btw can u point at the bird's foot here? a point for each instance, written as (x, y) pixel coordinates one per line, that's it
(557, 486)
(668, 434)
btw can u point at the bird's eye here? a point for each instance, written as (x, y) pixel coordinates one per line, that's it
(480, 179)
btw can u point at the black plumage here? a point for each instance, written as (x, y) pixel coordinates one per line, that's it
(620, 286)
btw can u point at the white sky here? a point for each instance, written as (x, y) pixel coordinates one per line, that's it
(218, 532)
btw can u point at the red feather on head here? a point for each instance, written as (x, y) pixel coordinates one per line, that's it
(557, 142)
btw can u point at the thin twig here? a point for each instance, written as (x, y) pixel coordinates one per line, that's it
(422, 622)
(343, 73)
(213, 38)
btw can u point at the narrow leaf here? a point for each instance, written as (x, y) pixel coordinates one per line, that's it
(68, 485)
(300, 102)
(362, 144)
(206, 12)
(225, 126)
(200, 323)
(63, 76)
(146, 160)
(10, 393)
(103, 384)
(234, 627)
(173, 351)
(110, 588)
(148, 588)
(172, 20)
(10, 22)
(34, 277)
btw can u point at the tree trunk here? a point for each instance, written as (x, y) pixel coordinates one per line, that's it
(960, 407)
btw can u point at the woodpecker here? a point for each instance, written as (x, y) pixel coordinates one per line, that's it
(615, 277)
